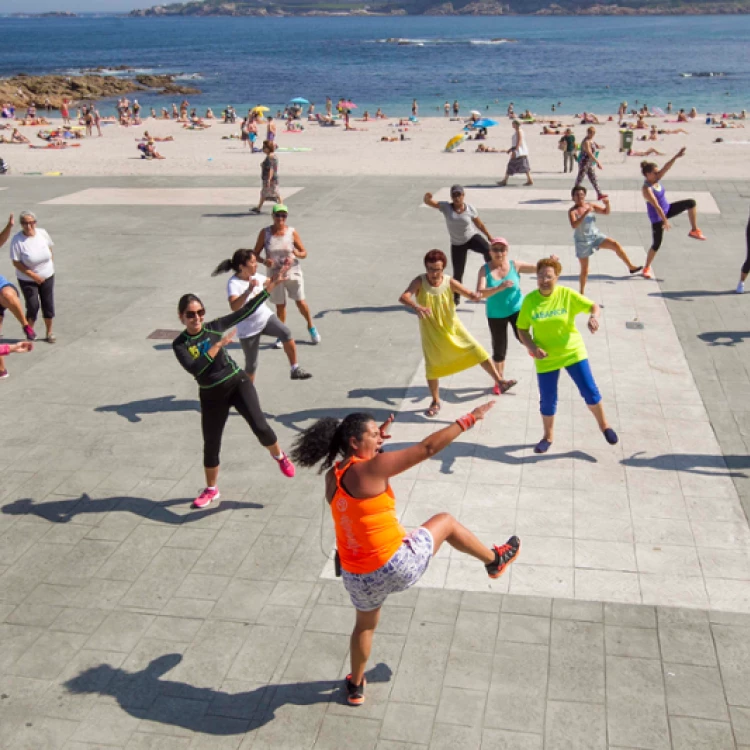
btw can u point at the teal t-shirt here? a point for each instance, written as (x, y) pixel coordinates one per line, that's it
(553, 320)
(505, 303)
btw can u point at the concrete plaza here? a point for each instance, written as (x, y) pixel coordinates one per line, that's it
(129, 620)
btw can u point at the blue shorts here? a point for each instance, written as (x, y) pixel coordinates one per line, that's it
(580, 372)
(4, 282)
(368, 591)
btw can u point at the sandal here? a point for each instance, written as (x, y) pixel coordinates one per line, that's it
(51, 339)
(433, 410)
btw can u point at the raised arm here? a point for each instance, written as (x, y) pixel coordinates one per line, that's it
(430, 201)
(605, 210)
(5, 234)
(576, 215)
(660, 174)
(230, 321)
(196, 365)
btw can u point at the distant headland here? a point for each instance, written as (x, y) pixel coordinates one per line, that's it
(212, 8)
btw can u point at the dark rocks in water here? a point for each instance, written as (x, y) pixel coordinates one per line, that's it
(22, 90)
(166, 84)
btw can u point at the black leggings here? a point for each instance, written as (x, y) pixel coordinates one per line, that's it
(657, 229)
(499, 332)
(237, 392)
(33, 293)
(746, 264)
(458, 256)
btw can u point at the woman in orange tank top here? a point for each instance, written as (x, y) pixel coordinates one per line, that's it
(378, 557)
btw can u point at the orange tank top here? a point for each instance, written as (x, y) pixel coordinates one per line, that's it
(367, 530)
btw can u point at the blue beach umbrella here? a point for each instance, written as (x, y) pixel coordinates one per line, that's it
(299, 100)
(486, 123)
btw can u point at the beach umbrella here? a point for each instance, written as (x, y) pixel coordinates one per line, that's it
(486, 123)
(299, 100)
(260, 108)
(455, 141)
(348, 105)
(475, 112)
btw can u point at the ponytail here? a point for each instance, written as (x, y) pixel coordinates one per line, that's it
(647, 167)
(234, 263)
(327, 439)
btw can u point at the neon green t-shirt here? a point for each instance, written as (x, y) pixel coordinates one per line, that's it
(553, 320)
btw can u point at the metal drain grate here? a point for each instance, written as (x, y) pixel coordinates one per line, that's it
(634, 325)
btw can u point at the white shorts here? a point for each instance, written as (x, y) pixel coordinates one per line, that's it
(368, 591)
(293, 287)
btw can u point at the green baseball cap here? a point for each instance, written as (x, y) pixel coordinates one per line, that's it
(280, 208)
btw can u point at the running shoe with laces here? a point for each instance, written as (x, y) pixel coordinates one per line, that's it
(696, 234)
(505, 554)
(30, 333)
(740, 288)
(286, 465)
(299, 374)
(314, 335)
(206, 497)
(279, 344)
(355, 694)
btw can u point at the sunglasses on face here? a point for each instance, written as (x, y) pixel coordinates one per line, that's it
(498, 249)
(192, 314)
(27, 223)
(280, 216)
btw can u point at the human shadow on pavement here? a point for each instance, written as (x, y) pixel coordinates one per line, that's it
(724, 338)
(364, 309)
(693, 463)
(394, 395)
(133, 409)
(144, 695)
(686, 295)
(500, 454)
(64, 511)
(543, 201)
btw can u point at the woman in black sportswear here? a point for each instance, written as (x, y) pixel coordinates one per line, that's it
(200, 349)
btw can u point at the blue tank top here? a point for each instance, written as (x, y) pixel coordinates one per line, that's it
(505, 303)
(661, 198)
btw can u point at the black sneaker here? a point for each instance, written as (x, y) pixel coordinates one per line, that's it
(504, 556)
(355, 694)
(299, 374)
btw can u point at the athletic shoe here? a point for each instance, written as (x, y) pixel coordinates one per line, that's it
(279, 344)
(610, 436)
(314, 335)
(696, 234)
(286, 465)
(299, 374)
(496, 389)
(504, 556)
(543, 446)
(355, 694)
(4, 374)
(647, 272)
(29, 331)
(206, 497)
(740, 288)
(636, 269)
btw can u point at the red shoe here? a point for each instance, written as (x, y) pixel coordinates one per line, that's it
(696, 234)
(286, 465)
(206, 497)
(648, 273)
(505, 554)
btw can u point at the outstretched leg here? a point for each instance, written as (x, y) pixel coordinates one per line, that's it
(445, 528)
(610, 244)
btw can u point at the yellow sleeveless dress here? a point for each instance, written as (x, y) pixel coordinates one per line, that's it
(447, 346)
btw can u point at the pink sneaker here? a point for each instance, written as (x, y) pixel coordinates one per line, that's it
(285, 464)
(206, 497)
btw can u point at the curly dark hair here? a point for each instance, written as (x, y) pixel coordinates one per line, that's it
(327, 439)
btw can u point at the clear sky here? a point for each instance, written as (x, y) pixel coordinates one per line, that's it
(42, 6)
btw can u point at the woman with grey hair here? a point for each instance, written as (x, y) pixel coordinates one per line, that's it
(31, 254)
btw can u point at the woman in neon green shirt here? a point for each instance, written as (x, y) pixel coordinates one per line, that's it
(556, 344)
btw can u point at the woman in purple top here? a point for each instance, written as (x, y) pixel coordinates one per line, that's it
(659, 209)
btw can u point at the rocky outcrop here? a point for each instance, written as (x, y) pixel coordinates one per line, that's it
(166, 84)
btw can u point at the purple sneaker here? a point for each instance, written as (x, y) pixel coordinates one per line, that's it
(206, 497)
(30, 334)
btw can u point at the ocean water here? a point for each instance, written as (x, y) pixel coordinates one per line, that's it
(583, 62)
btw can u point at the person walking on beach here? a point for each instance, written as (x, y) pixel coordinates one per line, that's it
(455, 107)
(745, 266)
(447, 346)
(587, 237)
(31, 254)
(587, 160)
(245, 284)
(659, 209)
(519, 157)
(414, 108)
(447, 109)
(568, 147)
(499, 283)
(269, 177)
(464, 227)
(65, 112)
(556, 344)
(283, 246)
(271, 130)
(200, 349)
(378, 556)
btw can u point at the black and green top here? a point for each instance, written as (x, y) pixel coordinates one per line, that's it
(192, 351)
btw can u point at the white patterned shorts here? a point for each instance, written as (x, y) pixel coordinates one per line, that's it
(368, 591)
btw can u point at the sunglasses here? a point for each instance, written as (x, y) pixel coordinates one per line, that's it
(27, 223)
(191, 314)
(280, 216)
(498, 249)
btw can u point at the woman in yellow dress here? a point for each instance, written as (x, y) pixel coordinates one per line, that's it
(447, 346)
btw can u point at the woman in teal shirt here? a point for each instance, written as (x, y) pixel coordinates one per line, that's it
(499, 283)
(556, 344)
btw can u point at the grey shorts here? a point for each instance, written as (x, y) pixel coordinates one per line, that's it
(274, 327)
(368, 591)
(587, 248)
(294, 287)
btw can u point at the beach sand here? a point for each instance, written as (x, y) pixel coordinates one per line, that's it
(333, 151)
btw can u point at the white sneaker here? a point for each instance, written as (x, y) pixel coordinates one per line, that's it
(314, 335)
(740, 288)
(279, 344)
